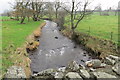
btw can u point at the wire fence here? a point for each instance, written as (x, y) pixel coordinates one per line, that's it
(105, 35)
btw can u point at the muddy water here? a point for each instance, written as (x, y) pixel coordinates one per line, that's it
(55, 50)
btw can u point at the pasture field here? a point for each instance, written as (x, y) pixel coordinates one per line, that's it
(15, 33)
(98, 26)
(4, 17)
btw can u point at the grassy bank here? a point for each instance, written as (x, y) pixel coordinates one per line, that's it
(14, 36)
(99, 26)
(15, 33)
(94, 32)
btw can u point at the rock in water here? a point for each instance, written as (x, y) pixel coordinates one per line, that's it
(47, 71)
(103, 64)
(91, 69)
(116, 58)
(116, 68)
(73, 66)
(94, 63)
(47, 74)
(56, 37)
(73, 75)
(109, 61)
(112, 60)
(15, 72)
(58, 75)
(82, 66)
(101, 75)
(84, 73)
(62, 69)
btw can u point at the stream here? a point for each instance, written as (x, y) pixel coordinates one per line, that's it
(55, 50)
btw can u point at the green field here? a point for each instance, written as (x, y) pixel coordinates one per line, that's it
(16, 34)
(100, 26)
(4, 17)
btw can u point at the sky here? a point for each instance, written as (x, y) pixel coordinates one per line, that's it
(4, 4)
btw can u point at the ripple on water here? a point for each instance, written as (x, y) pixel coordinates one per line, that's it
(48, 55)
(40, 52)
(55, 31)
(62, 50)
(52, 52)
(56, 52)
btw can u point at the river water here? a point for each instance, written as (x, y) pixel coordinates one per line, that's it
(55, 50)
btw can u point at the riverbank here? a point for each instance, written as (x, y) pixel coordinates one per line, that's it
(91, 33)
(15, 41)
(97, 46)
(48, 59)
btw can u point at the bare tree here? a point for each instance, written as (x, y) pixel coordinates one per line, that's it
(78, 9)
(49, 9)
(16, 13)
(21, 10)
(42, 10)
(61, 18)
(28, 9)
(37, 8)
(57, 6)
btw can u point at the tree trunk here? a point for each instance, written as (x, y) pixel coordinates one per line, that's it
(17, 18)
(37, 16)
(73, 34)
(22, 20)
(75, 15)
(72, 20)
(56, 14)
(34, 18)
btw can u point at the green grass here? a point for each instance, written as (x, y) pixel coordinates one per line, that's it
(4, 17)
(0, 36)
(100, 26)
(16, 34)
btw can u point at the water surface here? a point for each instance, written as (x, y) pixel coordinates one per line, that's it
(55, 50)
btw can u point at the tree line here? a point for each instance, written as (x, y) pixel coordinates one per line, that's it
(38, 9)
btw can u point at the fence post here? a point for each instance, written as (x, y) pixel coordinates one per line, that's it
(111, 35)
